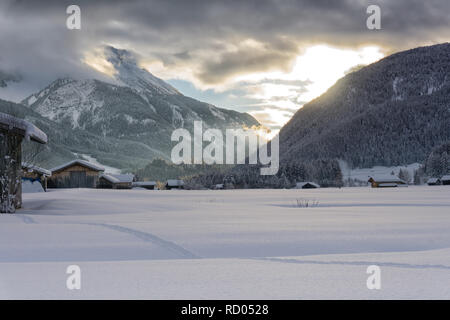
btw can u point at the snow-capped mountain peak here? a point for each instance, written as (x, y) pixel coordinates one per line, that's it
(131, 75)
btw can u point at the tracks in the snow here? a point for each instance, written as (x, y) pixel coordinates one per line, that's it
(148, 237)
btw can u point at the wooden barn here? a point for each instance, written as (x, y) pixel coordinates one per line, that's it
(12, 131)
(174, 184)
(386, 182)
(306, 185)
(75, 174)
(35, 173)
(149, 185)
(445, 180)
(116, 181)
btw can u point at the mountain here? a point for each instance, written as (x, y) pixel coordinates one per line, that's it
(389, 113)
(138, 108)
(65, 143)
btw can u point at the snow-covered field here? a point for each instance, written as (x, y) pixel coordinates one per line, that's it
(229, 244)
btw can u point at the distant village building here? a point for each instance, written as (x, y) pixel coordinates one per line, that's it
(75, 174)
(434, 181)
(174, 184)
(116, 181)
(34, 173)
(219, 186)
(12, 131)
(386, 181)
(306, 185)
(445, 180)
(149, 185)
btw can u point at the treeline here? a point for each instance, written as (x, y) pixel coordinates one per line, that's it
(323, 171)
(438, 162)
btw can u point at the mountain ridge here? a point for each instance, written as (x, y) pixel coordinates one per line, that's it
(392, 112)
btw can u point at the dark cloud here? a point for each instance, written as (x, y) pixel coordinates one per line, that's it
(207, 36)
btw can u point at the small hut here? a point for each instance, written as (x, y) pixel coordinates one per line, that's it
(174, 184)
(116, 181)
(445, 180)
(34, 173)
(149, 185)
(12, 131)
(434, 182)
(306, 185)
(386, 182)
(75, 174)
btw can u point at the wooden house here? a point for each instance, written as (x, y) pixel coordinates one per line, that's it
(75, 174)
(386, 182)
(116, 181)
(174, 184)
(149, 185)
(12, 131)
(306, 185)
(445, 180)
(434, 182)
(35, 173)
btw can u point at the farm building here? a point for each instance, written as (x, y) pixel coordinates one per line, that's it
(386, 181)
(34, 173)
(306, 185)
(149, 185)
(12, 131)
(116, 181)
(174, 184)
(219, 186)
(75, 174)
(445, 180)
(434, 182)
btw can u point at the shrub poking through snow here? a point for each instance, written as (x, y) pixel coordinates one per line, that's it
(306, 203)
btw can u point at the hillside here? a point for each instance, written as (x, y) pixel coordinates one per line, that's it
(389, 113)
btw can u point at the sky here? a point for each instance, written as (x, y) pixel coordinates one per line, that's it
(264, 57)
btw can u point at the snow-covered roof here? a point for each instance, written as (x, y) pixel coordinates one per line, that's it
(445, 178)
(144, 183)
(387, 179)
(79, 162)
(36, 168)
(117, 178)
(302, 184)
(433, 180)
(22, 127)
(175, 183)
(110, 178)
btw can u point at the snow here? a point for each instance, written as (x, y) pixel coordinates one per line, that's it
(81, 162)
(31, 100)
(362, 174)
(108, 169)
(29, 186)
(131, 75)
(30, 130)
(116, 178)
(69, 99)
(228, 244)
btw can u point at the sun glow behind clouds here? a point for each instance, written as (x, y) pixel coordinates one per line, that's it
(313, 73)
(321, 66)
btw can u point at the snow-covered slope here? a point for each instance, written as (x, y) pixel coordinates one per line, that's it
(129, 73)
